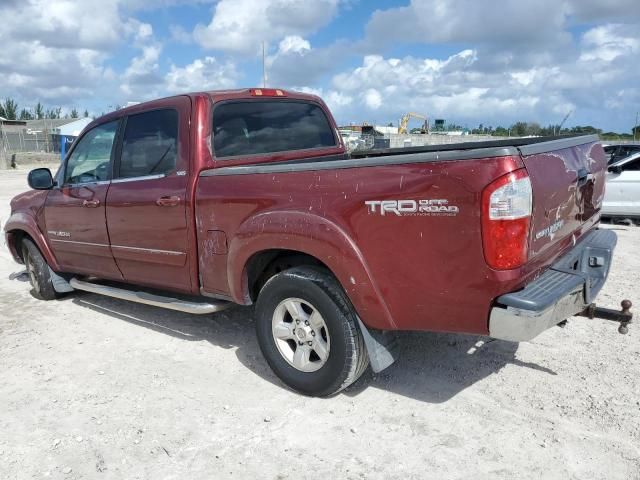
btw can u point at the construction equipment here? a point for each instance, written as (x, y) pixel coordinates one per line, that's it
(404, 122)
(557, 132)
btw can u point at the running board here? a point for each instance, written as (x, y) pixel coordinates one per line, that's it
(198, 308)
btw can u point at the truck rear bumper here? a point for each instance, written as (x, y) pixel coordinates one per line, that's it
(563, 290)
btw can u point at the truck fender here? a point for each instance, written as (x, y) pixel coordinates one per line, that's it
(316, 236)
(23, 222)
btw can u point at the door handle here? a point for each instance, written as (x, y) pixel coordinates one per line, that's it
(168, 201)
(91, 203)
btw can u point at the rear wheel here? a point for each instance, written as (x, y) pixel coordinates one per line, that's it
(38, 270)
(308, 332)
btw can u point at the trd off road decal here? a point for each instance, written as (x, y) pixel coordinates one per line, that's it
(60, 233)
(427, 208)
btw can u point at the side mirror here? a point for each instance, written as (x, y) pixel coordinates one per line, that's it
(615, 169)
(40, 179)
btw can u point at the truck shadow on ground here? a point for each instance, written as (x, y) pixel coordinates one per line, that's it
(431, 367)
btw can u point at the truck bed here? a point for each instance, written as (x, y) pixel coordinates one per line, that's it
(391, 156)
(529, 145)
(408, 271)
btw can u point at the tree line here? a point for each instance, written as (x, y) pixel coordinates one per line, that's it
(523, 129)
(9, 110)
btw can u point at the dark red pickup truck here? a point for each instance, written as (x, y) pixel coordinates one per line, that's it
(200, 201)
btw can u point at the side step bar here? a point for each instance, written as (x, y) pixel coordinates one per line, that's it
(170, 303)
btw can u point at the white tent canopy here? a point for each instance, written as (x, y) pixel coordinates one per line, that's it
(74, 128)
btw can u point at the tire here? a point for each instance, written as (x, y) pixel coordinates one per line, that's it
(38, 270)
(331, 353)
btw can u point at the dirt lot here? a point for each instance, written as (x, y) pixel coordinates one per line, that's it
(92, 387)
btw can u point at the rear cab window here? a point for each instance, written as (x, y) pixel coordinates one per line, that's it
(149, 144)
(269, 126)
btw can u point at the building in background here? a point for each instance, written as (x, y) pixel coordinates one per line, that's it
(44, 135)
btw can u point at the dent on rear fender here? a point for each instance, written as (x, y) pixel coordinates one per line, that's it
(316, 236)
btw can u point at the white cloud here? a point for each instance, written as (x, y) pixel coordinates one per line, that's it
(296, 62)
(142, 74)
(607, 42)
(492, 23)
(600, 11)
(180, 35)
(293, 43)
(56, 51)
(516, 60)
(463, 89)
(337, 102)
(372, 99)
(202, 74)
(430, 21)
(92, 24)
(240, 26)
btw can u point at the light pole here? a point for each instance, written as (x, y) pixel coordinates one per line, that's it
(264, 69)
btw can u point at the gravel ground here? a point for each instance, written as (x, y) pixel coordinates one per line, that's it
(92, 387)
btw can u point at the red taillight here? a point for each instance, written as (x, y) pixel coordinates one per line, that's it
(506, 214)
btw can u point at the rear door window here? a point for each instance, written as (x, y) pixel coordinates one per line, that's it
(262, 127)
(149, 144)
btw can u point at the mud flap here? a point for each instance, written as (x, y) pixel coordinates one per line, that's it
(382, 347)
(60, 285)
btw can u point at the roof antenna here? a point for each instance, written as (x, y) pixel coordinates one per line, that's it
(264, 69)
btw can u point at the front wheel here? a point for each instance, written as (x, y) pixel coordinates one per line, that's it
(308, 332)
(38, 270)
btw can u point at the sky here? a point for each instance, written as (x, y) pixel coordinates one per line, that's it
(470, 62)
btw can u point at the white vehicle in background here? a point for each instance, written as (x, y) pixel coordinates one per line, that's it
(622, 194)
(618, 152)
(352, 140)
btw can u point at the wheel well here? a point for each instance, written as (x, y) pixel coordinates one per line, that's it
(264, 265)
(18, 237)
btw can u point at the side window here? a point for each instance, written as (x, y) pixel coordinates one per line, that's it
(150, 144)
(90, 160)
(260, 127)
(633, 166)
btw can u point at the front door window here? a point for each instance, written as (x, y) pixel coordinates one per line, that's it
(90, 160)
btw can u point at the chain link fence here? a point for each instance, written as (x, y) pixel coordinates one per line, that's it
(14, 142)
(24, 144)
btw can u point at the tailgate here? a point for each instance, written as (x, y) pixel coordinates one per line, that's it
(567, 179)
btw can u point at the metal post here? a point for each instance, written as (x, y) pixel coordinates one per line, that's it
(2, 145)
(264, 69)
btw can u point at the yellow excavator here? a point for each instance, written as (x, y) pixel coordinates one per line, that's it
(404, 122)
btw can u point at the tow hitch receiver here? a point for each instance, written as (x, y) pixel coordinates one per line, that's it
(624, 316)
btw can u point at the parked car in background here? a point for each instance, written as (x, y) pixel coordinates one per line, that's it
(622, 193)
(619, 152)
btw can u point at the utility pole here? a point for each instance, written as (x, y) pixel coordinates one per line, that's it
(635, 128)
(264, 69)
